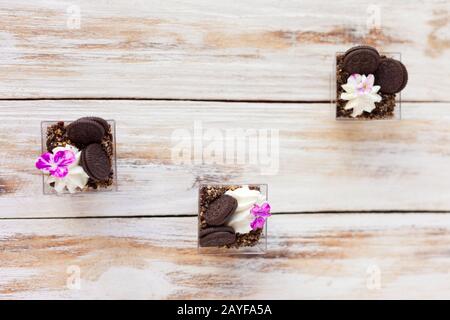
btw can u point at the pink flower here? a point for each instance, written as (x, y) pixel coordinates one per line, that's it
(364, 84)
(261, 213)
(258, 223)
(56, 164)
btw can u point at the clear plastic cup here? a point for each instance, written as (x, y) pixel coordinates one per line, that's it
(47, 189)
(260, 247)
(397, 114)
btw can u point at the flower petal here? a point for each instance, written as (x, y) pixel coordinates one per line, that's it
(59, 172)
(261, 211)
(369, 107)
(44, 162)
(265, 210)
(375, 97)
(258, 223)
(348, 96)
(370, 80)
(266, 206)
(357, 111)
(255, 209)
(354, 79)
(64, 158)
(348, 88)
(375, 89)
(349, 105)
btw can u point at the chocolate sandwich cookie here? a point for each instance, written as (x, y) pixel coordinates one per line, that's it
(217, 239)
(204, 232)
(95, 162)
(361, 60)
(99, 120)
(220, 209)
(85, 131)
(391, 76)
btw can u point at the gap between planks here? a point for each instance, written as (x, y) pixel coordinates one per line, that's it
(196, 100)
(300, 213)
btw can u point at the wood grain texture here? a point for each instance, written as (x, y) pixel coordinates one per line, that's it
(309, 256)
(255, 50)
(251, 50)
(323, 164)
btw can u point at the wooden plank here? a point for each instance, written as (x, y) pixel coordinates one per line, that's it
(255, 50)
(310, 256)
(322, 164)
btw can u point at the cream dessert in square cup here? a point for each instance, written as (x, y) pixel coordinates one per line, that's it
(368, 84)
(233, 218)
(78, 156)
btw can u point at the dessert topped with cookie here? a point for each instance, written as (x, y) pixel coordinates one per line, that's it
(232, 216)
(78, 156)
(367, 83)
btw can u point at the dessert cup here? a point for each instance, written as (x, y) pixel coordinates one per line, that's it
(92, 187)
(254, 242)
(378, 113)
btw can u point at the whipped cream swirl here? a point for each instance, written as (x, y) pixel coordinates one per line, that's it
(242, 218)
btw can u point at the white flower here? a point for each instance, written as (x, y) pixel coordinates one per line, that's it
(360, 93)
(76, 178)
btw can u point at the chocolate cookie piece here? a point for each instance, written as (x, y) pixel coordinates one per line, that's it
(217, 239)
(204, 232)
(84, 132)
(391, 76)
(99, 120)
(220, 209)
(361, 60)
(95, 162)
(358, 47)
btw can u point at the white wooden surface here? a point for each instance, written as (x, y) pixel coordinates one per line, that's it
(310, 256)
(253, 50)
(323, 165)
(159, 66)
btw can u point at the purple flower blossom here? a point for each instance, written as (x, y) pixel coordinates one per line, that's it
(261, 213)
(56, 164)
